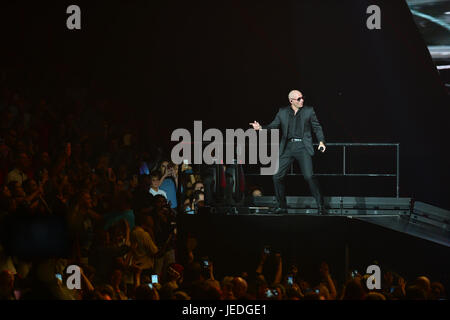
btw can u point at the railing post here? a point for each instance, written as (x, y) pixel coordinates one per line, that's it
(397, 174)
(343, 160)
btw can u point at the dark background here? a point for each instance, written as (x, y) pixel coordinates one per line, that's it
(228, 63)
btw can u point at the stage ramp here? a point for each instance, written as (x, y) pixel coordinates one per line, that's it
(399, 234)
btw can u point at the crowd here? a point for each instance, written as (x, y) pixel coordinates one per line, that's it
(118, 198)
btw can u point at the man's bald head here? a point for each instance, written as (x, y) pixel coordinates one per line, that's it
(294, 94)
(296, 99)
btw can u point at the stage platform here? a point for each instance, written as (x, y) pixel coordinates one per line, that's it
(398, 214)
(396, 233)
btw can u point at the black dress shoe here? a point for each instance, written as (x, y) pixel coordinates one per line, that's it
(280, 210)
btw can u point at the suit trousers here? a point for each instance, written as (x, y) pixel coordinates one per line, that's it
(296, 151)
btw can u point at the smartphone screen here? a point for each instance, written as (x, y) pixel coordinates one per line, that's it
(269, 293)
(58, 276)
(290, 281)
(154, 278)
(150, 286)
(144, 169)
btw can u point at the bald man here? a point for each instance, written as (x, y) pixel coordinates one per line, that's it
(296, 122)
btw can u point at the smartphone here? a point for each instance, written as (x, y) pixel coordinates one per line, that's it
(206, 263)
(150, 285)
(317, 291)
(290, 280)
(266, 250)
(144, 169)
(154, 278)
(269, 293)
(58, 276)
(185, 161)
(392, 290)
(354, 273)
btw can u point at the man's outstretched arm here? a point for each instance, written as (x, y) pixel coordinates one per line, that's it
(275, 124)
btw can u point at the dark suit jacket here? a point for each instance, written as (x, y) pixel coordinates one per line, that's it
(308, 120)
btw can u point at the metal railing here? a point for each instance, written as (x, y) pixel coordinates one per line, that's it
(344, 167)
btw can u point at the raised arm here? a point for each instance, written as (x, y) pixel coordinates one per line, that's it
(279, 272)
(325, 271)
(259, 269)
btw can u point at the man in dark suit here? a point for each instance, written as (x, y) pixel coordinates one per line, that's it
(296, 122)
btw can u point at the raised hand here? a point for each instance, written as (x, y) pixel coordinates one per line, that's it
(255, 125)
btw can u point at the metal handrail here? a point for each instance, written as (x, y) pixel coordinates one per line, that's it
(344, 145)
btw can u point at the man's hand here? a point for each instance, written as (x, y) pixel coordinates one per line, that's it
(322, 145)
(255, 125)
